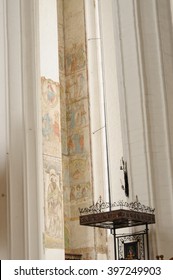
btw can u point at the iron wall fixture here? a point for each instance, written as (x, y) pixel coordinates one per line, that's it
(123, 167)
(125, 215)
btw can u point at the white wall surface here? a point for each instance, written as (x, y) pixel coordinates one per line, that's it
(48, 39)
(19, 157)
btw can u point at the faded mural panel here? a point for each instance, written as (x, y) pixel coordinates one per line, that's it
(75, 121)
(52, 165)
(51, 129)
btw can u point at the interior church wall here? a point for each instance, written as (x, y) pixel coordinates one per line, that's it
(156, 36)
(144, 37)
(65, 157)
(75, 120)
(18, 98)
(49, 157)
(143, 40)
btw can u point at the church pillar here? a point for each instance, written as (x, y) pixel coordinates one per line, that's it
(19, 158)
(106, 138)
(3, 138)
(155, 24)
(144, 57)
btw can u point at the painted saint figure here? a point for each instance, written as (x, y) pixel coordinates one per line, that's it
(54, 206)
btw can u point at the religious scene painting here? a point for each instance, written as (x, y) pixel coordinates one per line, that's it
(131, 251)
(80, 191)
(131, 247)
(76, 143)
(77, 115)
(76, 86)
(53, 204)
(51, 126)
(79, 169)
(75, 58)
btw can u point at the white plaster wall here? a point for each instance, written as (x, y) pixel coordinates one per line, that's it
(144, 43)
(131, 100)
(15, 133)
(104, 96)
(104, 104)
(95, 82)
(19, 180)
(111, 96)
(54, 254)
(48, 39)
(157, 41)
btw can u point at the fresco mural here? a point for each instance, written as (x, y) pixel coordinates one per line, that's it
(50, 92)
(79, 169)
(51, 128)
(76, 86)
(80, 191)
(75, 58)
(53, 203)
(77, 115)
(75, 126)
(76, 143)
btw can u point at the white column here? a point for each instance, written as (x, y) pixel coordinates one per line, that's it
(99, 162)
(20, 113)
(3, 138)
(104, 103)
(156, 45)
(111, 96)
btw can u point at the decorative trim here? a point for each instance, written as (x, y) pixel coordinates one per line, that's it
(133, 243)
(100, 206)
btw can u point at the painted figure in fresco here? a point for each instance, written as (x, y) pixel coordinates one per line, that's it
(81, 56)
(51, 95)
(70, 144)
(76, 143)
(54, 204)
(80, 116)
(68, 61)
(81, 143)
(78, 168)
(56, 125)
(46, 126)
(78, 192)
(73, 63)
(81, 83)
(72, 193)
(85, 190)
(83, 114)
(77, 115)
(72, 116)
(50, 92)
(69, 89)
(73, 58)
